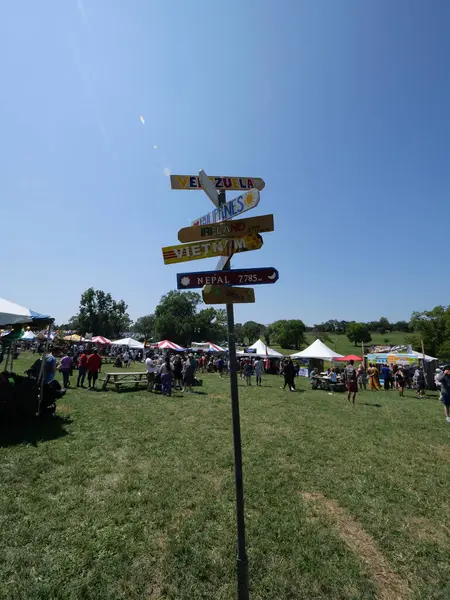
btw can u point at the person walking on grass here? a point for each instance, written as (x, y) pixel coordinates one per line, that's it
(386, 374)
(289, 373)
(259, 367)
(351, 380)
(362, 377)
(445, 392)
(248, 370)
(82, 368)
(421, 384)
(220, 365)
(401, 382)
(94, 363)
(66, 368)
(166, 373)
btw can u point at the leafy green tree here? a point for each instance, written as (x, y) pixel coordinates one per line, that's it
(252, 331)
(289, 333)
(433, 328)
(145, 326)
(238, 333)
(384, 325)
(400, 326)
(358, 333)
(101, 315)
(175, 316)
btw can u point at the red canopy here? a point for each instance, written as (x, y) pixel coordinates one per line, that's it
(349, 357)
(99, 339)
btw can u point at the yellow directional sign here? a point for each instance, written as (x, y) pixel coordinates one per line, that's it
(222, 294)
(192, 182)
(208, 249)
(227, 229)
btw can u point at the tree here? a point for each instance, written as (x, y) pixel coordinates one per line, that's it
(101, 315)
(400, 326)
(384, 325)
(238, 334)
(252, 331)
(145, 326)
(433, 327)
(288, 334)
(358, 333)
(175, 316)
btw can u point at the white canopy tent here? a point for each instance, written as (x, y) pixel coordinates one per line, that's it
(317, 350)
(128, 342)
(28, 336)
(418, 354)
(262, 350)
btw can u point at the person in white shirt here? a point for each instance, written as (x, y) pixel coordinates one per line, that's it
(151, 368)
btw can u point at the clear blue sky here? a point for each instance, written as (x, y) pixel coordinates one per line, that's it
(342, 106)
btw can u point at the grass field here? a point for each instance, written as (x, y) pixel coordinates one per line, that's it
(131, 496)
(342, 345)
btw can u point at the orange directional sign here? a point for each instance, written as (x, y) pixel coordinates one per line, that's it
(198, 250)
(227, 229)
(192, 182)
(220, 294)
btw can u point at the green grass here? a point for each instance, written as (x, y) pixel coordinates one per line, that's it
(342, 345)
(131, 496)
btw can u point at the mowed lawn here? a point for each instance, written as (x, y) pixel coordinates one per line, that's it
(131, 496)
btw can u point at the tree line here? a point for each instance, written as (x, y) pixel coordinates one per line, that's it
(179, 318)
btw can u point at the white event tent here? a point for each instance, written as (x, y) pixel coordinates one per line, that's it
(262, 350)
(317, 350)
(127, 342)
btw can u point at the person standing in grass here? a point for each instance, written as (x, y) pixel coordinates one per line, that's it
(289, 374)
(94, 363)
(372, 372)
(259, 367)
(445, 392)
(248, 369)
(421, 384)
(166, 377)
(351, 380)
(362, 377)
(220, 365)
(66, 367)
(401, 382)
(82, 368)
(386, 374)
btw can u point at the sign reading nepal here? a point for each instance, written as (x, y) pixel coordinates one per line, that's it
(192, 182)
(189, 281)
(199, 250)
(230, 209)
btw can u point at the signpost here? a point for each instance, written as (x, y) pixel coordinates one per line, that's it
(192, 182)
(227, 229)
(209, 188)
(218, 288)
(199, 250)
(190, 281)
(222, 294)
(231, 209)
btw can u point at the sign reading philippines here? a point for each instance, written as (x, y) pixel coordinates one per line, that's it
(230, 209)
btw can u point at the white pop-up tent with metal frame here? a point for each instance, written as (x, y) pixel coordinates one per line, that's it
(129, 342)
(317, 350)
(261, 350)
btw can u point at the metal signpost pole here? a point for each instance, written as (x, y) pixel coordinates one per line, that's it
(242, 561)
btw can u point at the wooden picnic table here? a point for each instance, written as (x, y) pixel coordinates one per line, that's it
(124, 378)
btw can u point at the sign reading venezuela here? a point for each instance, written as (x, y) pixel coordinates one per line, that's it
(230, 209)
(192, 182)
(199, 250)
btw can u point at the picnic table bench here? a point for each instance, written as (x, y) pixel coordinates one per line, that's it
(124, 378)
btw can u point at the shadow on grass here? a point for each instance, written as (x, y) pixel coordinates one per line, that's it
(371, 404)
(32, 432)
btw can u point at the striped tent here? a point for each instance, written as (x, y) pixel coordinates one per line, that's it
(167, 345)
(215, 348)
(99, 339)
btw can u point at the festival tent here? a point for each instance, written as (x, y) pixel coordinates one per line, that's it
(348, 358)
(14, 314)
(262, 350)
(28, 336)
(215, 348)
(167, 345)
(319, 351)
(418, 355)
(206, 347)
(128, 342)
(99, 339)
(73, 338)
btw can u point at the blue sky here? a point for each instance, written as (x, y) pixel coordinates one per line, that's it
(341, 106)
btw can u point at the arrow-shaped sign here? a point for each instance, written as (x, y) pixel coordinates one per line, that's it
(192, 182)
(230, 209)
(209, 188)
(218, 294)
(190, 281)
(199, 250)
(227, 229)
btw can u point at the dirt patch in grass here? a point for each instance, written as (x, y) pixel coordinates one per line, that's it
(390, 585)
(423, 529)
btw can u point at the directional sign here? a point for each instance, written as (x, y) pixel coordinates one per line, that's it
(223, 262)
(209, 188)
(219, 294)
(190, 281)
(227, 229)
(198, 250)
(192, 182)
(230, 209)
